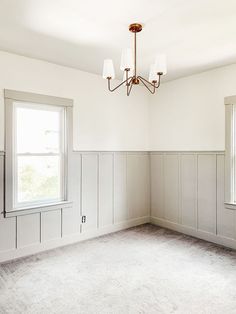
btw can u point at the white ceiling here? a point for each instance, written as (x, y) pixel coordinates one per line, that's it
(196, 35)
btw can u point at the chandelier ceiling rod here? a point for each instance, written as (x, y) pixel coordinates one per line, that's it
(128, 66)
(135, 54)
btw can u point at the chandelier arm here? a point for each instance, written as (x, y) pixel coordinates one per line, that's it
(130, 80)
(143, 81)
(159, 81)
(109, 84)
(129, 88)
(153, 85)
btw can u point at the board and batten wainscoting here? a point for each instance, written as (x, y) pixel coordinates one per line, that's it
(187, 195)
(112, 189)
(183, 191)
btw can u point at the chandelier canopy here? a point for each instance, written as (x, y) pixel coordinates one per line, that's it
(129, 66)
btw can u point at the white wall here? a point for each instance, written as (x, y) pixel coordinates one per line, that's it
(110, 188)
(113, 189)
(185, 114)
(187, 188)
(188, 113)
(187, 195)
(102, 120)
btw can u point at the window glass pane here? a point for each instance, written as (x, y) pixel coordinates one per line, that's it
(38, 130)
(38, 178)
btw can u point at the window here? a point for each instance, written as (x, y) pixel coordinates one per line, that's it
(39, 149)
(230, 152)
(36, 150)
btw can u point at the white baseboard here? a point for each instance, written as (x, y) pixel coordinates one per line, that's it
(218, 239)
(69, 239)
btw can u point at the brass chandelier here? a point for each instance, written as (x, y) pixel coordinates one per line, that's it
(130, 68)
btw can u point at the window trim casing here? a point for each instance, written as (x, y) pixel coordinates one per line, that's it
(230, 152)
(11, 96)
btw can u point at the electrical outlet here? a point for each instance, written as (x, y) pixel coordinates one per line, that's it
(83, 219)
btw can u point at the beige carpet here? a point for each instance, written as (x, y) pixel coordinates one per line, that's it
(141, 270)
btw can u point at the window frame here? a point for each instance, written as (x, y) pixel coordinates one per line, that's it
(230, 152)
(62, 153)
(11, 97)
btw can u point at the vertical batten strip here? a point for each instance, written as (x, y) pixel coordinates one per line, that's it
(150, 185)
(164, 190)
(61, 222)
(196, 190)
(81, 190)
(16, 222)
(163, 183)
(40, 227)
(126, 183)
(113, 188)
(216, 218)
(197, 212)
(180, 205)
(98, 189)
(77, 189)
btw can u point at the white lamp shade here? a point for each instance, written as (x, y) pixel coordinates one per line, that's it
(108, 69)
(126, 59)
(153, 74)
(160, 64)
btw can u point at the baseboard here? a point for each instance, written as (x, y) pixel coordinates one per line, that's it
(207, 236)
(70, 239)
(74, 238)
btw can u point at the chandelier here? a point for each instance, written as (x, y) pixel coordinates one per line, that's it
(129, 66)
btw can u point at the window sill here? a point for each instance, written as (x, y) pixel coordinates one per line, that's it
(37, 209)
(231, 206)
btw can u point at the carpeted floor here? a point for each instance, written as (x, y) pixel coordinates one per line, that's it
(141, 270)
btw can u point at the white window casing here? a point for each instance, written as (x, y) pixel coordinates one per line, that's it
(62, 106)
(230, 152)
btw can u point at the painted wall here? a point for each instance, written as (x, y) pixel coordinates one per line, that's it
(187, 189)
(112, 189)
(185, 192)
(188, 113)
(187, 195)
(102, 120)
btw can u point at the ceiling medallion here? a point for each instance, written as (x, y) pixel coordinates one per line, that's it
(130, 68)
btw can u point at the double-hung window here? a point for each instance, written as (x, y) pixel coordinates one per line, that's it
(36, 151)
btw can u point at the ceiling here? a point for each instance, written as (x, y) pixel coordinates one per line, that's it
(196, 35)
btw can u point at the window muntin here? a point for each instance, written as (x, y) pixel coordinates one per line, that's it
(38, 154)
